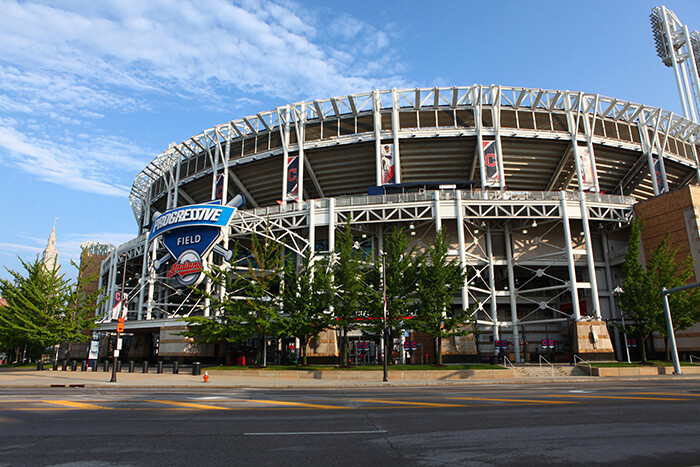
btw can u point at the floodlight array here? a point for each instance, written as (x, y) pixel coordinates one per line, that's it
(657, 27)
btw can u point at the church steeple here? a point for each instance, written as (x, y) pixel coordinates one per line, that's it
(50, 253)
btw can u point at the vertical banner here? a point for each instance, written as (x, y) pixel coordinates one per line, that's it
(491, 163)
(584, 160)
(219, 194)
(659, 177)
(292, 178)
(388, 164)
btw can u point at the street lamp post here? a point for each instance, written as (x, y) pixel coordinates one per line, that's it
(617, 291)
(384, 327)
(119, 324)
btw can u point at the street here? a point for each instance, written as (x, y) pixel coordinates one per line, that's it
(620, 423)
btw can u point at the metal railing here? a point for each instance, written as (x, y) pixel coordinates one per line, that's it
(547, 362)
(507, 362)
(578, 360)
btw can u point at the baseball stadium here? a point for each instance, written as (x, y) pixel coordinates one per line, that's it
(536, 189)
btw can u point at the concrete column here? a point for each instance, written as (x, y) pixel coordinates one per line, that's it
(590, 260)
(492, 282)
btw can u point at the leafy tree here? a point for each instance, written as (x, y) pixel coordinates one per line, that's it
(348, 275)
(306, 298)
(439, 280)
(44, 308)
(664, 270)
(250, 304)
(401, 268)
(637, 301)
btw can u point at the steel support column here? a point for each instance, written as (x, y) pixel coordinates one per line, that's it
(570, 258)
(512, 291)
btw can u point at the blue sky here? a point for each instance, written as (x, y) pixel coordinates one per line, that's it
(90, 92)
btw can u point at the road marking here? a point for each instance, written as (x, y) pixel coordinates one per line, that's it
(191, 405)
(591, 396)
(500, 399)
(78, 405)
(669, 394)
(315, 433)
(297, 404)
(393, 402)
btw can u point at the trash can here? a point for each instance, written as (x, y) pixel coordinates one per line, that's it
(131, 366)
(176, 367)
(160, 367)
(196, 369)
(145, 366)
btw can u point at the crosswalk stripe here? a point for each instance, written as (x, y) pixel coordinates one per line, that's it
(297, 404)
(78, 405)
(592, 396)
(191, 405)
(421, 404)
(502, 399)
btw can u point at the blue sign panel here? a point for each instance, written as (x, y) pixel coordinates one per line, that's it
(188, 234)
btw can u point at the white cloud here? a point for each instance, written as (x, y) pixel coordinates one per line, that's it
(64, 165)
(65, 63)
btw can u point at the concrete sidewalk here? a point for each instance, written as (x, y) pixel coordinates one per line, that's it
(15, 378)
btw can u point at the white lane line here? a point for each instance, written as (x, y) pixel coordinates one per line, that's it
(315, 433)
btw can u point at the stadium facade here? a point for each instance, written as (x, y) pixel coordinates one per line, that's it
(535, 187)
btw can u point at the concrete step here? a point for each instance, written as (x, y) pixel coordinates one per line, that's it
(546, 371)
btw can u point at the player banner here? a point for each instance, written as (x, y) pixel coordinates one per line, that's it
(388, 177)
(659, 176)
(584, 158)
(292, 178)
(493, 175)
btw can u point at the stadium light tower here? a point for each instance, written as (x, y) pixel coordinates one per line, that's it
(679, 49)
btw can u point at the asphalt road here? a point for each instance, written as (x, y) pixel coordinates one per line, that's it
(636, 423)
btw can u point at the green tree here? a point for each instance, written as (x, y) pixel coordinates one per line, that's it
(250, 304)
(307, 295)
(349, 287)
(44, 308)
(664, 270)
(401, 268)
(637, 301)
(439, 280)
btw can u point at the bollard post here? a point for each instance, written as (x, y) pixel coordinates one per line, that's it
(176, 367)
(74, 365)
(94, 364)
(55, 365)
(160, 367)
(119, 366)
(83, 365)
(64, 365)
(39, 365)
(105, 366)
(131, 366)
(145, 366)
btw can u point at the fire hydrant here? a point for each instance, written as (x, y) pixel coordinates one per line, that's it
(206, 376)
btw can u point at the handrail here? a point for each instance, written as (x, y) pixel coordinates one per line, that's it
(590, 367)
(506, 362)
(548, 362)
(694, 357)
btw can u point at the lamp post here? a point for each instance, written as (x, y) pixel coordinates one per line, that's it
(384, 327)
(617, 291)
(120, 323)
